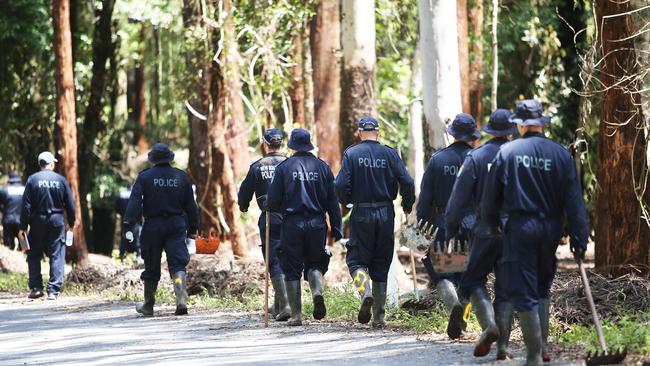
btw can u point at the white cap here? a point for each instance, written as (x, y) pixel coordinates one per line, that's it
(47, 157)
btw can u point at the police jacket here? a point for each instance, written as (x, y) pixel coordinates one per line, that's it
(162, 191)
(370, 173)
(468, 188)
(11, 202)
(304, 184)
(534, 175)
(438, 180)
(46, 193)
(257, 181)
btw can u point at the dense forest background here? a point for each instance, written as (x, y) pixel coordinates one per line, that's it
(208, 76)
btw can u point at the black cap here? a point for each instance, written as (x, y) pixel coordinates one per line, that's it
(499, 123)
(463, 128)
(160, 154)
(529, 113)
(300, 140)
(273, 137)
(14, 177)
(368, 123)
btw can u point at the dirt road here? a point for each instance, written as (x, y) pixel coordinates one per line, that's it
(87, 331)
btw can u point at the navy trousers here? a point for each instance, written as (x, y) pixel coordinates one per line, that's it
(434, 276)
(135, 246)
(529, 261)
(168, 234)
(47, 235)
(372, 241)
(275, 232)
(302, 246)
(10, 233)
(484, 257)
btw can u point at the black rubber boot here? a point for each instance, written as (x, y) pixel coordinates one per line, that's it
(544, 317)
(180, 290)
(532, 331)
(295, 302)
(361, 282)
(283, 311)
(485, 315)
(379, 306)
(447, 293)
(503, 318)
(315, 278)
(146, 308)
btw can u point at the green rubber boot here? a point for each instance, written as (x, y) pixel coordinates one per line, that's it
(485, 315)
(544, 317)
(146, 308)
(379, 304)
(180, 290)
(503, 318)
(315, 278)
(283, 310)
(532, 331)
(447, 293)
(295, 302)
(362, 284)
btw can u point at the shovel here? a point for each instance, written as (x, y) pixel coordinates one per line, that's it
(602, 357)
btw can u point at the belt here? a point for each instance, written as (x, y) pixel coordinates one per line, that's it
(162, 216)
(373, 204)
(538, 214)
(50, 212)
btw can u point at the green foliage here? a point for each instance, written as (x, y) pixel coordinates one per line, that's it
(631, 331)
(13, 282)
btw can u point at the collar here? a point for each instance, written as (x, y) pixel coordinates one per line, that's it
(460, 143)
(497, 140)
(303, 153)
(534, 134)
(371, 141)
(274, 153)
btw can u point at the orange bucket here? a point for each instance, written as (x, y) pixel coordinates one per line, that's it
(207, 245)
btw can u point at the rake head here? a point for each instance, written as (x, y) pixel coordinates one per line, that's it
(605, 358)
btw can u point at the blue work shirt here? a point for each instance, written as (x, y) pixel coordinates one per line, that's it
(438, 180)
(257, 181)
(468, 189)
(304, 184)
(11, 202)
(162, 191)
(46, 193)
(534, 175)
(371, 173)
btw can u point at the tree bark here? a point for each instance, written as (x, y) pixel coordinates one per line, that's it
(476, 63)
(325, 46)
(440, 67)
(140, 102)
(621, 232)
(358, 87)
(463, 53)
(297, 92)
(66, 118)
(102, 50)
(416, 138)
(308, 83)
(495, 54)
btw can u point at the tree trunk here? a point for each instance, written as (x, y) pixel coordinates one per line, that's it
(140, 102)
(297, 92)
(463, 53)
(440, 67)
(325, 45)
(198, 59)
(358, 86)
(495, 54)
(621, 232)
(308, 83)
(416, 138)
(476, 64)
(66, 118)
(102, 49)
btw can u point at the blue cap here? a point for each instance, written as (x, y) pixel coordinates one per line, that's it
(273, 137)
(499, 123)
(529, 113)
(46, 157)
(300, 140)
(367, 123)
(463, 128)
(14, 177)
(160, 154)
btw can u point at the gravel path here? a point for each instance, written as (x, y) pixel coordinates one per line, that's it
(88, 331)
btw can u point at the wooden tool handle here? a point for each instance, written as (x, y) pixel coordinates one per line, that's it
(592, 306)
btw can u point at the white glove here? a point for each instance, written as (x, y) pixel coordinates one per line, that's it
(129, 236)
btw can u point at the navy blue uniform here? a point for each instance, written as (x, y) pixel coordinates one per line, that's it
(164, 196)
(47, 197)
(467, 193)
(303, 191)
(11, 202)
(437, 184)
(257, 181)
(534, 181)
(121, 201)
(369, 179)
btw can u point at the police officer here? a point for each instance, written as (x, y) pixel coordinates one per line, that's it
(534, 181)
(303, 191)
(257, 181)
(369, 179)
(437, 183)
(485, 250)
(164, 196)
(11, 202)
(121, 201)
(47, 197)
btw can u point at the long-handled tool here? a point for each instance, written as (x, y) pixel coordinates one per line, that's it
(604, 357)
(267, 235)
